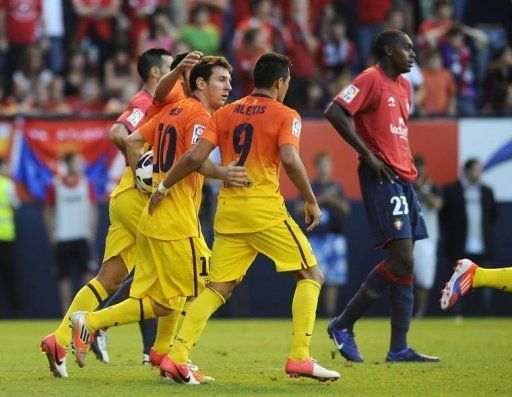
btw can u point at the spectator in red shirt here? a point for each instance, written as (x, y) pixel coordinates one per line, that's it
(253, 46)
(95, 18)
(19, 23)
(371, 16)
(301, 46)
(260, 17)
(139, 12)
(433, 32)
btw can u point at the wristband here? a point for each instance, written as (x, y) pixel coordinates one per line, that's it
(162, 189)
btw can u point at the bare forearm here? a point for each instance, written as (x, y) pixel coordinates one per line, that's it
(167, 83)
(134, 150)
(335, 115)
(210, 170)
(118, 134)
(187, 164)
(297, 173)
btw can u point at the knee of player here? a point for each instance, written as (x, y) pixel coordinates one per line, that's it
(224, 289)
(109, 284)
(318, 275)
(311, 273)
(160, 310)
(403, 265)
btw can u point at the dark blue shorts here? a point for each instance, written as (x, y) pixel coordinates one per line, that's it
(393, 209)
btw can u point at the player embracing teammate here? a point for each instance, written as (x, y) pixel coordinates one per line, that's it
(259, 133)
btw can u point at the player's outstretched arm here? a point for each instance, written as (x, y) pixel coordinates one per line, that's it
(167, 82)
(118, 134)
(340, 121)
(134, 149)
(233, 174)
(289, 155)
(189, 162)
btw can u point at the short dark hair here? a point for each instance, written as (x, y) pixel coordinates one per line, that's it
(250, 35)
(270, 67)
(178, 58)
(470, 163)
(205, 67)
(68, 157)
(148, 59)
(387, 38)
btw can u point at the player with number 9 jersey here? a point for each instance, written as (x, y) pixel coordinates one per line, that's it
(252, 129)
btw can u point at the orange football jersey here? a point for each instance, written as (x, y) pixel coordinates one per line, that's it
(171, 133)
(252, 129)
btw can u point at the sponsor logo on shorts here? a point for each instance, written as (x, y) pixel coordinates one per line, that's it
(398, 224)
(349, 93)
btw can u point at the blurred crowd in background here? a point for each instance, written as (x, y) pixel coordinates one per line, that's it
(78, 57)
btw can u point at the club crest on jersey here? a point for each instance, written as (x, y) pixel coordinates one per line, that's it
(198, 131)
(398, 224)
(296, 127)
(135, 117)
(349, 93)
(391, 101)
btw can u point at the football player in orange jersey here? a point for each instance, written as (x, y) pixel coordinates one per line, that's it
(172, 256)
(126, 204)
(261, 133)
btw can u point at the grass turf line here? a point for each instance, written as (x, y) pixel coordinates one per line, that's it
(247, 358)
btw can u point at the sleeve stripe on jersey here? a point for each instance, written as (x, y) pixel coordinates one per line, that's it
(192, 248)
(304, 263)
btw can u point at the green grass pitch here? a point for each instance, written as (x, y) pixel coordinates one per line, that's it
(247, 359)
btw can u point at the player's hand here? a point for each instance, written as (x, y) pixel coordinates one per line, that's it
(234, 174)
(154, 201)
(379, 167)
(191, 59)
(313, 215)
